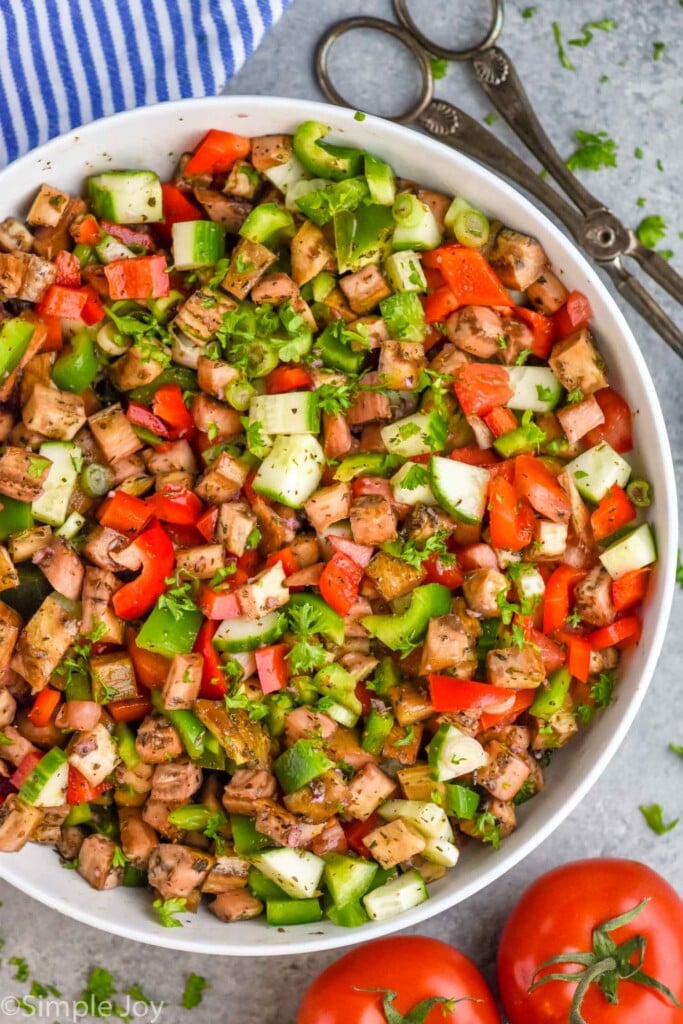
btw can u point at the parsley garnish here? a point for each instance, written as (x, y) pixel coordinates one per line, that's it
(676, 749)
(417, 476)
(658, 50)
(595, 150)
(75, 665)
(487, 829)
(222, 573)
(22, 971)
(194, 991)
(528, 12)
(491, 119)
(179, 598)
(575, 396)
(243, 266)
(573, 620)
(606, 25)
(404, 316)
(654, 816)
(414, 556)
(136, 993)
(651, 230)
(602, 695)
(561, 52)
(408, 430)
(241, 702)
(335, 398)
(167, 909)
(406, 740)
(119, 860)
(544, 394)
(253, 431)
(439, 67)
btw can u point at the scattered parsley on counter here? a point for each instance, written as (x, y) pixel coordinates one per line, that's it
(194, 991)
(528, 12)
(676, 749)
(359, 116)
(638, 153)
(561, 52)
(679, 571)
(606, 25)
(651, 230)
(595, 150)
(654, 816)
(658, 50)
(439, 67)
(491, 119)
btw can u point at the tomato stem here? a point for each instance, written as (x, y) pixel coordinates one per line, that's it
(606, 965)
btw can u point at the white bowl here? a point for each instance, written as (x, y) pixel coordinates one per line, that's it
(155, 137)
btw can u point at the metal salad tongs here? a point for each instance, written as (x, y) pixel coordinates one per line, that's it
(595, 229)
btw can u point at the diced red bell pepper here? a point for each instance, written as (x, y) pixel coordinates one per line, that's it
(617, 429)
(450, 694)
(356, 831)
(476, 556)
(535, 482)
(364, 696)
(623, 630)
(630, 589)
(156, 552)
(175, 504)
(556, 599)
(358, 553)
(85, 230)
(25, 767)
(552, 654)
(93, 309)
(218, 603)
(184, 536)
(613, 512)
(286, 558)
(80, 791)
(145, 277)
(140, 416)
(248, 563)
(444, 571)
(127, 235)
(214, 684)
(501, 421)
(523, 700)
(340, 582)
(68, 269)
(433, 337)
(271, 667)
(578, 654)
(510, 521)
(504, 469)
(473, 456)
(132, 709)
(575, 313)
(150, 669)
(439, 305)
(177, 207)
(217, 152)
(481, 387)
(65, 303)
(288, 378)
(54, 340)
(168, 404)
(206, 524)
(44, 706)
(542, 327)
(467, 273)
(123, 512)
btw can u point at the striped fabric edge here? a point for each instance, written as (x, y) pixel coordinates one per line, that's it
(64, 63)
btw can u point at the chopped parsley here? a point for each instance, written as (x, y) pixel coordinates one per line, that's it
(606, 25)
(544, 394)
(179, 598)
(651, 230)
(335, 399)
(359, 116)
(561, 52)
(638, 153)
(167, 909)
(491, 119)
(602, 695)
(575, 396)
(22, 972)
(658, 50)
(676, 749)
(414, 556)
(194, 991)
(654, 816)
(487, 829)
(221, 574)
(595, 150)
(253, 431)
(119, 860)
(439, 67)
(528, 12)
(406, 740)
(417, 476)
(241, 702)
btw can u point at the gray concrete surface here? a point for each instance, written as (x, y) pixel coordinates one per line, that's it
(639, 106)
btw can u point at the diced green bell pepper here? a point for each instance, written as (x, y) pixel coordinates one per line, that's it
(525, 438)
(15, 516)
(194, 817)
(461, 802)
(378, 725)
(278, 705)
(79, 814)
(551, 699)
(327, 622)
(367, 464)
(351, 915)
(15, 335)
(334, 681)
(402, 632)
(386, 675)
(285, 912)
(300, 764)
(347, 878)
(168, 633)
(76, 369)
(322, 159)
(269, 224)
(264, 888)
(191, 731)
(337, 354)
(362, 237)
(186, 379)
(245, 838)
(125, 741)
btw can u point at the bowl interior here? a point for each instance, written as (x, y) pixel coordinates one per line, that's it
(155, 137)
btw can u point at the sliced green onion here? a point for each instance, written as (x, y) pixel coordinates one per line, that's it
(110, 341)
(96, 479)
(640, 493)
(471, 228)
(262, 358)
(239, 394)
(407, 210)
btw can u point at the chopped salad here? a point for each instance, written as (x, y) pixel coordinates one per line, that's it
(317, 532)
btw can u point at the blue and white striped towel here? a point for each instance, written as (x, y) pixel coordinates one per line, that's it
(66, 62)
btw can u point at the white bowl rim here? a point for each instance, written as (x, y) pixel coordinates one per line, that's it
(299, 110)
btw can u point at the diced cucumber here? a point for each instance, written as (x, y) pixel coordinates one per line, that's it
(46, 785)
(282, 913)
(52, 504)
(459, 488)
(598, 469)
(529, 583)
(630, 553)
(235, 635)
(109, 249)
(286, 175)
(347, 878)
(197, 243)
(440, 851)
(405, 273)
(292, 470)
(452, 753)
(533, 387)
(126, 197)
(417, 490)
(411, 435)
(295, 412)
(428, 818)
(397, 896)
(381, 181)
(423, 235)
(297, 872)
(341, 714)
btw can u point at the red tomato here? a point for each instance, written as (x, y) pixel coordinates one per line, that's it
(339, 582)
(560, 913)
(413, 967)
(575, 313)
(447, 572)
(481, 387)
(616, 429)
